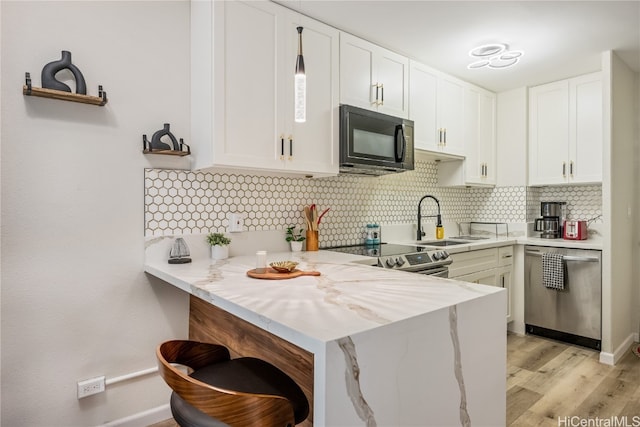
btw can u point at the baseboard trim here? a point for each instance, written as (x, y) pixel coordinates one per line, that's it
(144, 418)
(516, 327)
(613, 358)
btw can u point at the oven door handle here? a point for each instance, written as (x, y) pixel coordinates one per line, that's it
(434, 271)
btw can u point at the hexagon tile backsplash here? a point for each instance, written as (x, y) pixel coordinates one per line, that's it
(185, 202)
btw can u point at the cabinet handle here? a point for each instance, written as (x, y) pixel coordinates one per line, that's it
(290, 147)
(381, 94)
(564, 169)
(571, 168)
(377, 86)
(281, 147)
(507, 256)
(502, 280)
(486, 170)
(440, 136)
(445, 137)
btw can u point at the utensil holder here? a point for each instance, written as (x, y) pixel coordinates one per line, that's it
(312, 240)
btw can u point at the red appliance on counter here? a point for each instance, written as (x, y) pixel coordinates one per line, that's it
(575, 230)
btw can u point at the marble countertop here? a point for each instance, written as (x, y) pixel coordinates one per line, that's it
(310, 311)
(464, 246)
(504, 241)
(595, 244)
(521, 234)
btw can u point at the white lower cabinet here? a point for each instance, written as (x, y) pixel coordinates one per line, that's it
(243, 89)
(505, 280)
(492, 267)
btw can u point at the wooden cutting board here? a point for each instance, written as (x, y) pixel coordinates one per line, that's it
(274, 275)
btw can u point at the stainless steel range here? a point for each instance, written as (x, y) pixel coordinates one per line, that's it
(415, 259)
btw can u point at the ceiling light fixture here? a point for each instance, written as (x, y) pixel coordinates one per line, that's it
(487, 50)
(496, 56)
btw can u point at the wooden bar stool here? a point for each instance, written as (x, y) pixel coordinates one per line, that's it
(220, 391)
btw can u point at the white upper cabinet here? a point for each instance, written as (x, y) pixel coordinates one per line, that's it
(372, 77)
(243, 63)
(451, 119)
(316, 141)
(436, 105)
(479, 166)
(480, 136)
(585, 131)
(565, 131)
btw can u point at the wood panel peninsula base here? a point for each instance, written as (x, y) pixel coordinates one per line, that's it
(369, 347)
(208, 323)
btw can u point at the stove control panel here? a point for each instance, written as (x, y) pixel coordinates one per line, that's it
(413, 260)
(440, 255)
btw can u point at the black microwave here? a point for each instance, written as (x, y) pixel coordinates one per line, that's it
(373, 143)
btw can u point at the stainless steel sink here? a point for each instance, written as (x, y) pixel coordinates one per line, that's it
(440, 242)
(467, 237)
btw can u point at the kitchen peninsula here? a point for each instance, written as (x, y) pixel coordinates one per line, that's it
(368, 346)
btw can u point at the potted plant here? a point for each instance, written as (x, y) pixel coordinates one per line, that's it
(295, 238)
(219, 245)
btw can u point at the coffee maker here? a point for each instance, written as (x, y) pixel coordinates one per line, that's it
(553, 216)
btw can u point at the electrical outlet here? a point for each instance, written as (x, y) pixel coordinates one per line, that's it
(236, 223)
(91, 386)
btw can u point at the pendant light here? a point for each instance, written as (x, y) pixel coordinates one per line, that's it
(300, 85)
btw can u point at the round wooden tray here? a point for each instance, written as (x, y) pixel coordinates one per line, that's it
(272, 274)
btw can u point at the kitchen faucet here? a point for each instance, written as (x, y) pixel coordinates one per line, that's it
(438, 217)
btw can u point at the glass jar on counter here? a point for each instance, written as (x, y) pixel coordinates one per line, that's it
(372, 235)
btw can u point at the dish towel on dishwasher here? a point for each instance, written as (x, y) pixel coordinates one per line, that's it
(553, 271)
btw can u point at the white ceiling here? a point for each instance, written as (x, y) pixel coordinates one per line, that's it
(560, 38)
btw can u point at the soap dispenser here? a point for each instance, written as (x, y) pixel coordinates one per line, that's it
(439, 228)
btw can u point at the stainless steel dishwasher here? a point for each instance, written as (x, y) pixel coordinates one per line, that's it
(574, 313)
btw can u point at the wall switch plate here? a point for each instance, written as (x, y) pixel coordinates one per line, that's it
(236, 223)
(91, 386)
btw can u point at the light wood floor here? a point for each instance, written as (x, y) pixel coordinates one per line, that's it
(548, 380)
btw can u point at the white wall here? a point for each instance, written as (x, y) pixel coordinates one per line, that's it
(636, 271)
(75, 302)
(619, 195)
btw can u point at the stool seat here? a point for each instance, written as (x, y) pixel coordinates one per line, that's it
(221, 391)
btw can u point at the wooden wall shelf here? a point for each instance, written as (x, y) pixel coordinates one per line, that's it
(29, 90)
(167, 152)
(173, 148)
